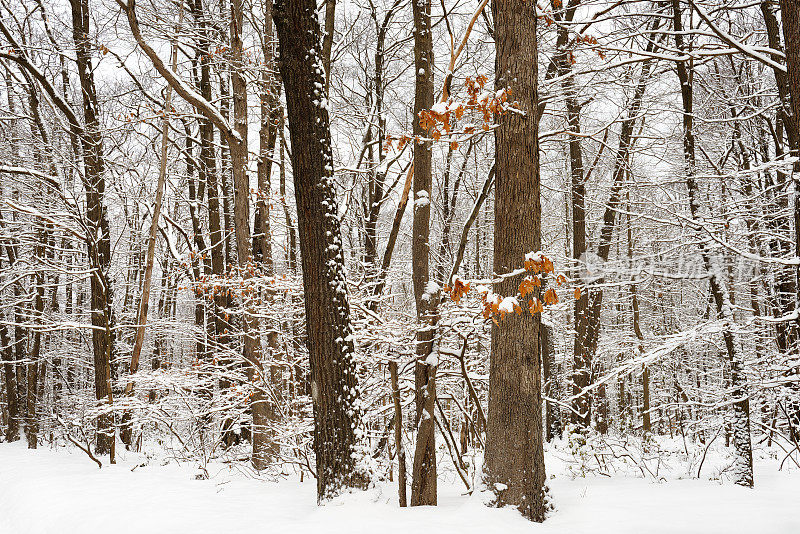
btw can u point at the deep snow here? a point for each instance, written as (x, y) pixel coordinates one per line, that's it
(62, 492)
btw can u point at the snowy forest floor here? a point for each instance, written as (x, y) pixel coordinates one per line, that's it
(60, 491)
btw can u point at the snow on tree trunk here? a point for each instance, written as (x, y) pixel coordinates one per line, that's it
(330, 343)
(514, 460)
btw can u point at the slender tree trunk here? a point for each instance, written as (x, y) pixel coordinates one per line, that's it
(144, 301)
(390, 243)
(7, 354)
(270, 120)
(398, 436)
(743, 459)
(241, 214)
(582, 354)
(378, 176)
(99, 240)
(423, 485)
(790, 19)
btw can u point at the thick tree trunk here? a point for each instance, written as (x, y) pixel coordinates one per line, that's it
(334, 384)
(514, 459)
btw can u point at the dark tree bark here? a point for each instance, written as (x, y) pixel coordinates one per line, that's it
(375, 192)
(582, 355)
(211, 178)
(208, 160)
(327, 40)
(99, 240)
(196, 196)
(790, 19)
(330, 343)
(514, 459)
(423, 485)
(7, 354)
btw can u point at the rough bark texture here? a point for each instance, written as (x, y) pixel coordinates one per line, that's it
(785, 288)
(330, 343)
(327, 40)
(514, 458)
(423, 481)
(423, 486)
(99, 241)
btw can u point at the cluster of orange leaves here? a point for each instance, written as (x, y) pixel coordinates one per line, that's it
(439, 123)
(458, 290)
(530, 285)
(234, 284)
(588, 39)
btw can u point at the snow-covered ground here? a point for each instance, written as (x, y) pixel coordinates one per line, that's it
(62, 492)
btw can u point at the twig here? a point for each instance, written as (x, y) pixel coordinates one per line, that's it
(84, 449)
